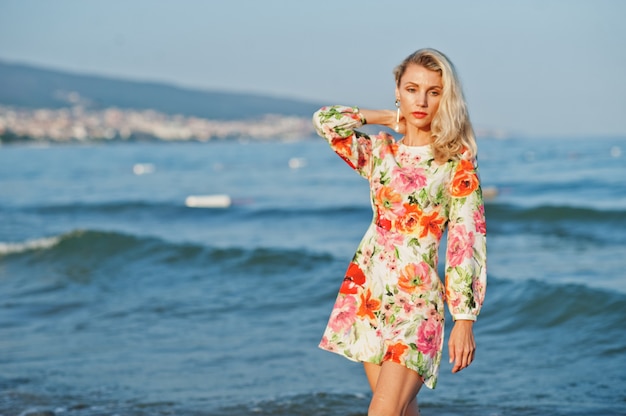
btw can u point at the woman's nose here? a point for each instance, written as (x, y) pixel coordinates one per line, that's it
(422, 100)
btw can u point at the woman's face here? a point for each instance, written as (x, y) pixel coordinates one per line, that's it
(419, 92)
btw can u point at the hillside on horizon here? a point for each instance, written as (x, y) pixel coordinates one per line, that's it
(29, 86)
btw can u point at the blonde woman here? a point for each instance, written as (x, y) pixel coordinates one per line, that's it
(389, 313)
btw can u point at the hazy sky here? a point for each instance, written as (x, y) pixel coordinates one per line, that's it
(531, 67)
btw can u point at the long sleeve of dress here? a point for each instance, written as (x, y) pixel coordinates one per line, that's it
(466, 262)
(338, 124)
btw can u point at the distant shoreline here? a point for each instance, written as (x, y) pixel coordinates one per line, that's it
(82, 124)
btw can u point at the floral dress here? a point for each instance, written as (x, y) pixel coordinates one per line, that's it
(390, 304)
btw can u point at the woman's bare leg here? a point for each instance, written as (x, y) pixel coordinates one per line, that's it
(395, 389)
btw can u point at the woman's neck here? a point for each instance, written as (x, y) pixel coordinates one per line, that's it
(416, 137)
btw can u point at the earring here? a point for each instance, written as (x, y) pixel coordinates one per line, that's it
(397, 127)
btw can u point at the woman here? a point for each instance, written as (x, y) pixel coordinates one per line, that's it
(389, 312)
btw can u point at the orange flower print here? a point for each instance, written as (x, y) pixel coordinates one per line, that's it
(368, 306)
(353, 280)
(408, 222)
(431, 224)
(465, 180)
(342, 145)
(394, 352)
(387, 198)
(414, 276)
(451, 297)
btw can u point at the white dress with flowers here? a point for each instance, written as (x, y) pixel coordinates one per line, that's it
(390, 304)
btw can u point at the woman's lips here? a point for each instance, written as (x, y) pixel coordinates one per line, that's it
(419, 114)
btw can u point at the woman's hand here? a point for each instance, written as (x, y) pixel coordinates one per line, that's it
(461, 345)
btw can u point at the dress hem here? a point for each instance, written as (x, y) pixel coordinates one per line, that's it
(430, 385)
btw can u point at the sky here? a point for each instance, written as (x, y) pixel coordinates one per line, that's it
(531, 68)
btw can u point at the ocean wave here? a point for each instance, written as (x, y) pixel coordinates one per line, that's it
(98, 247)
(590, 314)
(555, 302)
(28, 245)
(322, 212)
(113, 207)
(110, 207)
(496, 211)
(551, 213)
(577, 225)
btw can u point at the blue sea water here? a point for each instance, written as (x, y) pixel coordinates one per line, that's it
(117, 299)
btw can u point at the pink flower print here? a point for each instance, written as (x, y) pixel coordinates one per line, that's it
(366, 145)
(406, 303)
(408, 179)
(343, 314)
(460, 245)
(396, 332)
(324, 344)
(429, 337)
(388, 313)
(479, 220)
(382, 257)
(479, 290)
(419, 303)
(392, 263)
(366, 257)
(388, 240)
(406, 158)
(433, 314)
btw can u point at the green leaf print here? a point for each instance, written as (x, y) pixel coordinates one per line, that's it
(389, 292)
(423, 195)
(428, 258)
(410, 332)
(414, 242)
(384, 179)
(440, 196)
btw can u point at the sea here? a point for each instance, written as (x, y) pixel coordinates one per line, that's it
(116, 298)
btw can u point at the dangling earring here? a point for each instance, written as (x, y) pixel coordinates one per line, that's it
(397, 128)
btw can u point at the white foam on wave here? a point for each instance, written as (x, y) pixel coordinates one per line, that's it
(28, 245)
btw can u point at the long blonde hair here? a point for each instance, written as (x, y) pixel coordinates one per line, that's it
(451, 127)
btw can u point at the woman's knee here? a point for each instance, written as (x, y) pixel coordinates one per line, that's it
(379, 406)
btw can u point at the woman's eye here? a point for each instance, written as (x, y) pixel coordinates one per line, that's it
(411, 90)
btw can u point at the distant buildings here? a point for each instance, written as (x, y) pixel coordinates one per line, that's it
(78, 123)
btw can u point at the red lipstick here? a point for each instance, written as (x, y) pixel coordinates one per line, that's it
(419, 114)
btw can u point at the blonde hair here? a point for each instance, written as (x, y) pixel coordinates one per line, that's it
(451, 127)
